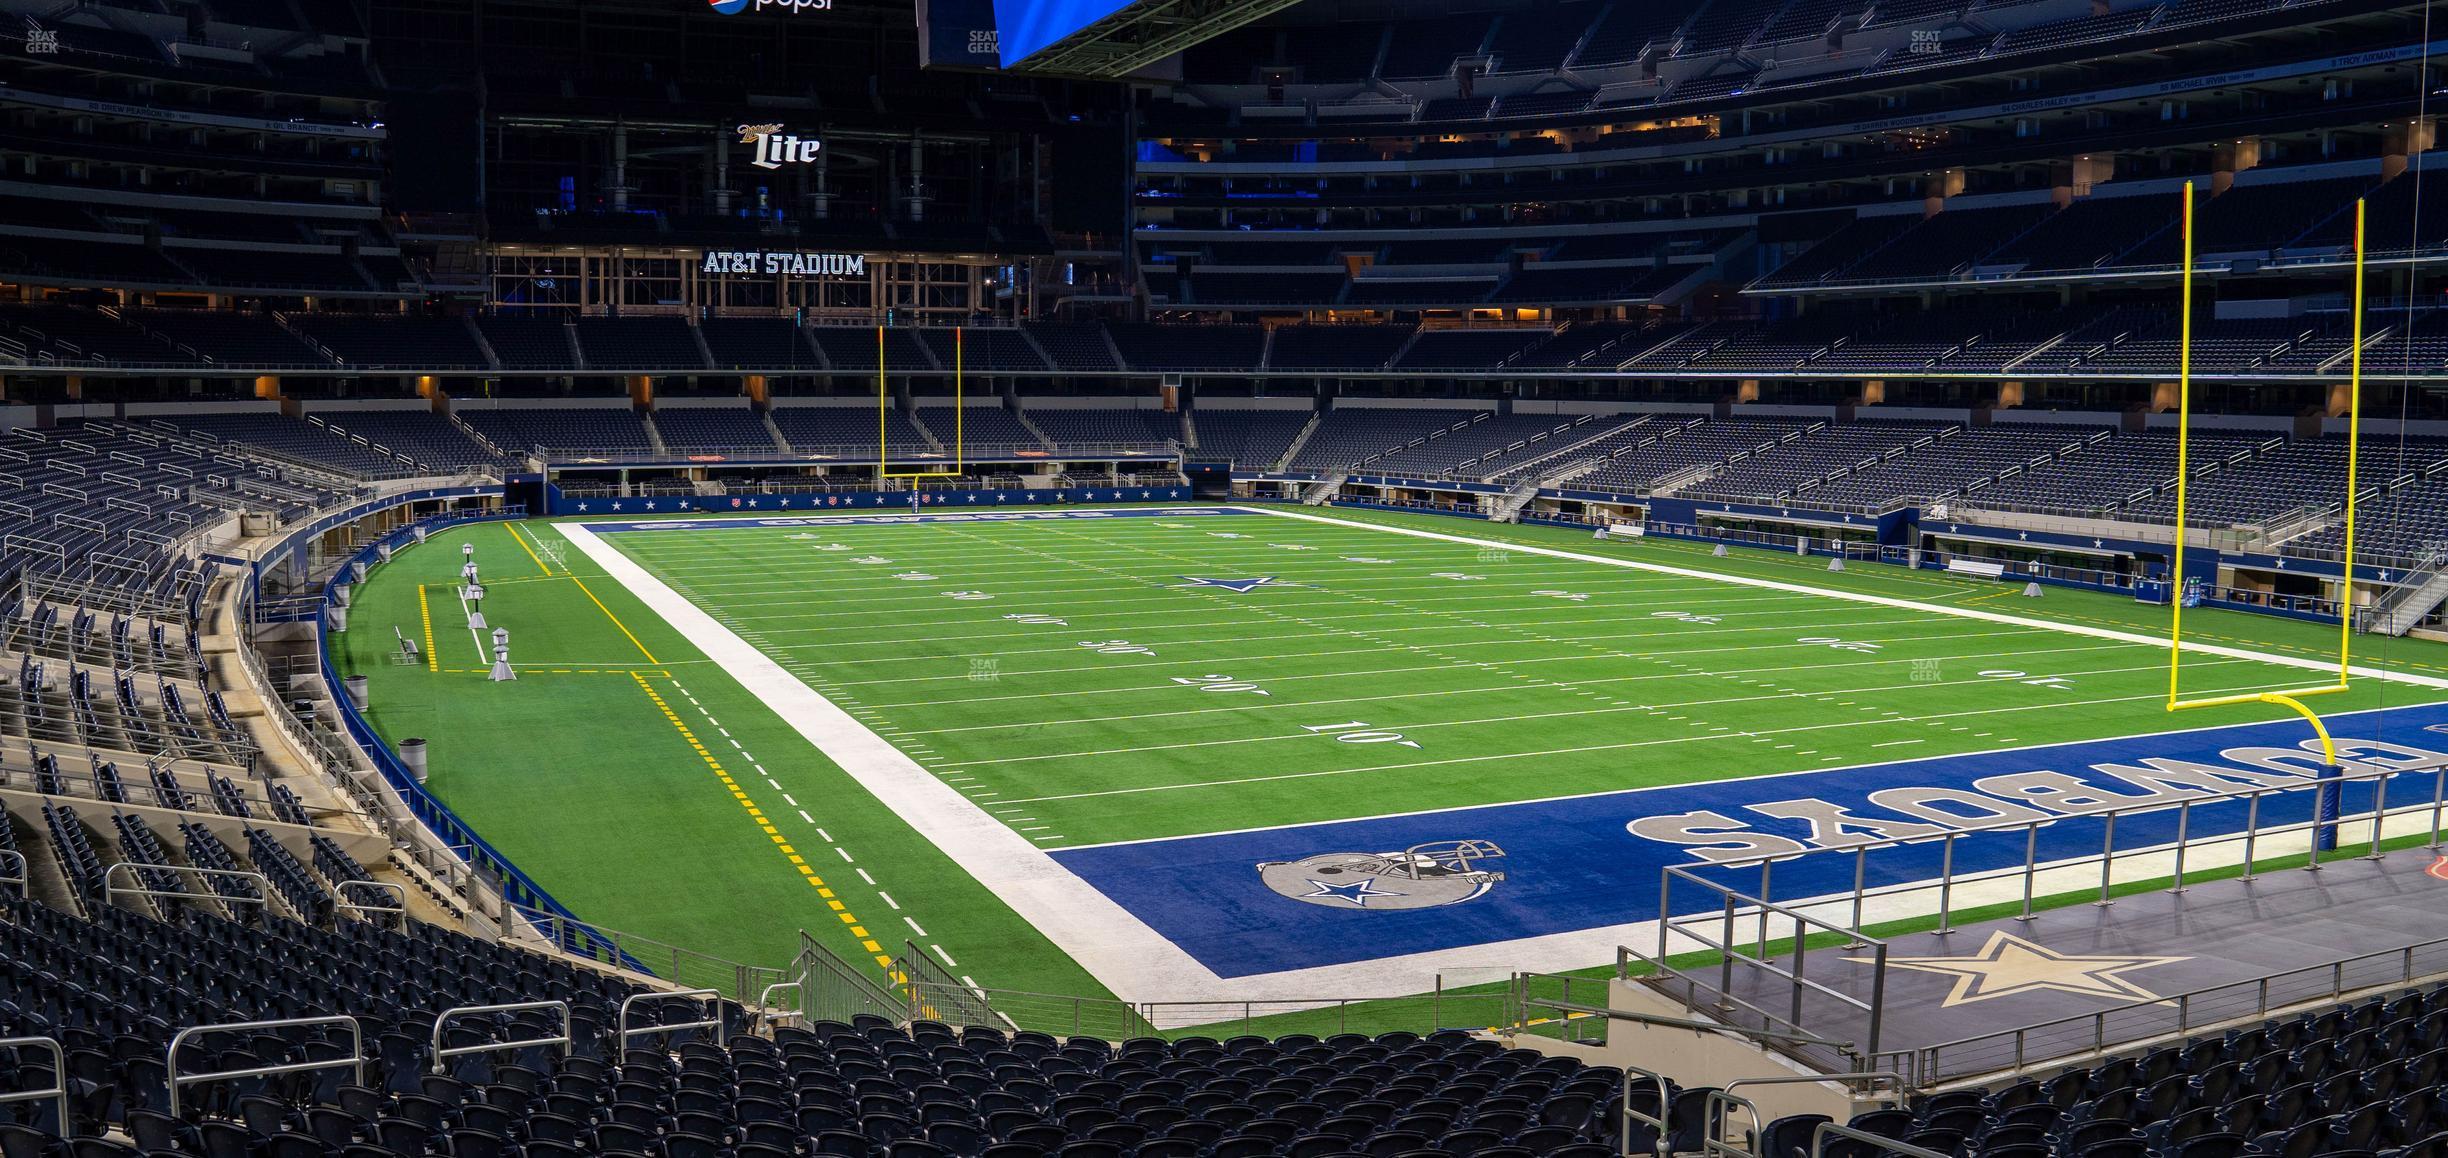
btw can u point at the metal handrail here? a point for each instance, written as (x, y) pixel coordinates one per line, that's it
(263, 885)
(59, 1075)
(1926, 1058)
(1805, 1079)
(1730, 950)
(1735, 905)
(1623, 1129)
(19, 880)
(714, 1023)
(1675, 1022)
(1826, 1130)
(565, 1041)
(2018, 825)
(1720, 1102)
(340, 897)
(763, 1011)
(175, 1080)
(1715, 1110)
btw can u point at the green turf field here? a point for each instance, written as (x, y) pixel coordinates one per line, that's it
(1083, 682)
(1156, 707)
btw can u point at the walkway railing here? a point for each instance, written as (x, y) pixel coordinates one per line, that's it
(57, 1091)
(713, 1020)
(355, 1061)
(441, 1054)
(1762, 976)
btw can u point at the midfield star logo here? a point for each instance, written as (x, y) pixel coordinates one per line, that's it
(775, 148)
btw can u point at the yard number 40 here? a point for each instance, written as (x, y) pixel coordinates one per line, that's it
(1355, 732)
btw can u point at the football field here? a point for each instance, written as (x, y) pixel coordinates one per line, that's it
(1134, 751)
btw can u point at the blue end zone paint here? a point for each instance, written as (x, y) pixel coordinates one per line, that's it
(1572, 864)
(898, 520)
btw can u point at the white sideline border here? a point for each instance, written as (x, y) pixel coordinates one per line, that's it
(1106, 939)
(1125, 954)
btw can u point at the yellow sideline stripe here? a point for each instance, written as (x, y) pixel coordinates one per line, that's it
(425, 612)
(781, 843)
(624, 628)
(521, 540)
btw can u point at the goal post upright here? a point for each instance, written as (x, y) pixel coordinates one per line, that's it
(960, 416)
(2325, 823)
(2184, 441)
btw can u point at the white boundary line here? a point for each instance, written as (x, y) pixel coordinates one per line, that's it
(1125, 954)
(1131, 959)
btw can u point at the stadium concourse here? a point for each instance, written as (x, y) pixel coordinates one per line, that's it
(1299, 579)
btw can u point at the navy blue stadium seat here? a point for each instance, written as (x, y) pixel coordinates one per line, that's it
(1789, 1136)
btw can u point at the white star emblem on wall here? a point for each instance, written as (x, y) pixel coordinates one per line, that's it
(2010, 966)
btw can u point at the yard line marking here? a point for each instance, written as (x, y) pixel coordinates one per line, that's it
(1087, 667)
(1859, 597)
(810, 819)
(864, 877)
(1894, 743)
(845, 855)
(1482, 759)
(914, 926)
(1438, 667)
(1548, 613)
(1423, 726)
(1304, 704)
(1163, 605)
(2011, 746)
(888, 901)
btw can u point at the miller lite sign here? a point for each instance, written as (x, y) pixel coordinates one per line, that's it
(775, 148)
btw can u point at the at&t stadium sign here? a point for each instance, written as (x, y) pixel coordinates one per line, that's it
(753, 261)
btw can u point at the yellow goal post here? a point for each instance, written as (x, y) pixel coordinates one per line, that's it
(2290, 698)
(960, 459)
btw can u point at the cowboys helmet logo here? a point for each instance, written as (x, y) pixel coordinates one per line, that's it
(1424, 876)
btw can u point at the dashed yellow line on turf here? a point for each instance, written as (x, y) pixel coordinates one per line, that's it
(765, 823)
(425, 612)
